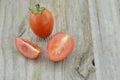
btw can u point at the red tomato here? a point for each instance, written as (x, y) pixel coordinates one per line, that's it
(27, 49)
(59, 46)
(41, 21)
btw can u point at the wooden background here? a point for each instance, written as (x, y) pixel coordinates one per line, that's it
(94, 24)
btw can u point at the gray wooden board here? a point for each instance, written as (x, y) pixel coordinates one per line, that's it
(70, 16)
(105, 23)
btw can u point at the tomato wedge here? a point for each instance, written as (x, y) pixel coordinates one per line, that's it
(60, 46)
(27, 48)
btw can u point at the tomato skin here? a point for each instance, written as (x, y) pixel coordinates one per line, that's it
(57, 49)
(42, 24)
(24, 47)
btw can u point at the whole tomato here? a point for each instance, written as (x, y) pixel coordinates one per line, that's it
(41, 21)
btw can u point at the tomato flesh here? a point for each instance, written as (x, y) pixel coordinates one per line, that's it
(27, 49)
(59, 46)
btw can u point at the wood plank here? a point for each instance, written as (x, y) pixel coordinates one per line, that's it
(71, 17)
(105, 23)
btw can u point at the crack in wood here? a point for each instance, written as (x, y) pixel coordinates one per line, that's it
(77, 69)
(22, 27)
(93, 62)
(22, 32)
(85, 67)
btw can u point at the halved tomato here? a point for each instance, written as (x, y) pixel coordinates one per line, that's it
(59, 46)
(27, 48)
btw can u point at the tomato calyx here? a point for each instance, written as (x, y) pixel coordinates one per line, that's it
(39, 10)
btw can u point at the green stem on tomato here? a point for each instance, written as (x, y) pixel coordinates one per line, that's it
(39, 10)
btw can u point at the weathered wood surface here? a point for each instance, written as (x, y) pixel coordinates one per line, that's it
(105, 23)
(71, 16)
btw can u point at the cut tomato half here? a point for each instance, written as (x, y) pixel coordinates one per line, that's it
(60, 46)
(27, 48)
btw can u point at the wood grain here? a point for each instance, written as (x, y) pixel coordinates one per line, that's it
(105, 23)
(70, 16)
